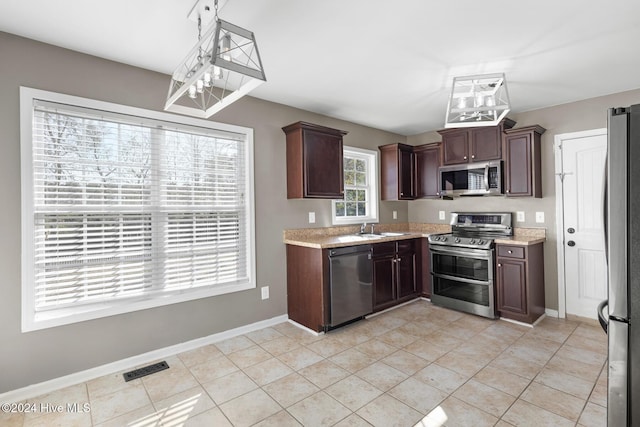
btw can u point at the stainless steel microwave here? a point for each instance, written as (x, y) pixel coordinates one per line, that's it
(471, 179)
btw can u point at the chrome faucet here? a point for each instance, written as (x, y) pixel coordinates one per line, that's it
(372, 232)
(362, 227)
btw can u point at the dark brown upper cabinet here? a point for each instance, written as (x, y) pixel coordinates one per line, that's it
(427, 159)
(397, 172)
(314, 161)
(523, 168)
(474, 144)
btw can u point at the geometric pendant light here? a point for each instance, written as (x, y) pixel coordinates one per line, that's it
(480, 100)
(223, 66)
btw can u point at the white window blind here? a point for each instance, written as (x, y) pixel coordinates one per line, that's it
(129, 208)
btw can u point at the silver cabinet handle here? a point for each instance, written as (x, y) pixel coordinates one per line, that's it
(465, 157)
(510, 251)
(473, 156)
(499, 265)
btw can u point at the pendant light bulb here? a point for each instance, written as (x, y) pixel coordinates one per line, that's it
(217, 72)
(192, 92)
(199, 86)
(226, 47)
(207, 77)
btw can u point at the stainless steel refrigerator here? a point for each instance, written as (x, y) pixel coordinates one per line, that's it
(620, 315)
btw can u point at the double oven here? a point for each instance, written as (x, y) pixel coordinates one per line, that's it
(463, 262)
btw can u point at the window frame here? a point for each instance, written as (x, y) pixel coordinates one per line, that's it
(35, 320)
(372, 158)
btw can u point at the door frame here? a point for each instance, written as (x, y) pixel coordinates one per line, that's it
(557, 149)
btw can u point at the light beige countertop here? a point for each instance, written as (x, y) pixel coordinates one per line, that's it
(335, 237)
(524, 237)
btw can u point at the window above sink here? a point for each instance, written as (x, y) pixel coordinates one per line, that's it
(360, 203)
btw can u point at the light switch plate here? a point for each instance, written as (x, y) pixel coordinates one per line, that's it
(520, 216)
(312, 217)
(441, 215)
(540, 217)
(264, 292)
(395, 214)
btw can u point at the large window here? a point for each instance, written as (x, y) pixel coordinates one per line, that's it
(360, 203)
(125, 209)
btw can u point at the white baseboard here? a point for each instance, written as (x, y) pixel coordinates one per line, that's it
(551, 313)
(528, 325)
(131, 362)
(304, 328)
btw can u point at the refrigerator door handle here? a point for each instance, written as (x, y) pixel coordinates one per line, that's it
(601, 316)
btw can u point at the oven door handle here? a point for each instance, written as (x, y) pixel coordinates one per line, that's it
(462, 279)
(482, 254)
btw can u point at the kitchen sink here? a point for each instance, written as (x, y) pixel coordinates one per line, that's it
(370, 235)
(379, 235)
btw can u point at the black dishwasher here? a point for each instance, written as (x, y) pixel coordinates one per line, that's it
(351, 290)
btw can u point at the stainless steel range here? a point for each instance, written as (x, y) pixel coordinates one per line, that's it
(462, 262)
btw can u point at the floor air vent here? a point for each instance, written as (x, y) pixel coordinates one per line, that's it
(146, 370)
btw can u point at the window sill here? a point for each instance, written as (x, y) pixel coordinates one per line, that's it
(34, 321)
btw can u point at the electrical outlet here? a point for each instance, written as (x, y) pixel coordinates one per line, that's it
(441, 215)
(312, 217)
(540, 217)
(264, 292)
(395, 214)
(520, 216)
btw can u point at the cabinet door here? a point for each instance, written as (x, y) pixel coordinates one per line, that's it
(518, 165)
(383, 281)
(427, 163)
(323, 173)
(406, 174)
(406, 274)
(512, 286)
(455, 146)
(486, 143)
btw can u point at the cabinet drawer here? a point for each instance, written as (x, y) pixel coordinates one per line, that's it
(406, 246)
(385, 248)
(511, 251)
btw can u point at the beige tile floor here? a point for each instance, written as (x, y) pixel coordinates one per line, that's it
(388, 370)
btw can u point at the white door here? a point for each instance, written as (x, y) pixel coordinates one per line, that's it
(583, 171)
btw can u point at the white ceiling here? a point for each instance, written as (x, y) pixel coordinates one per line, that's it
(387, 65)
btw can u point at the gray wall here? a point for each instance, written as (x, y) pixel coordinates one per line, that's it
(41, 355)
(566, 118)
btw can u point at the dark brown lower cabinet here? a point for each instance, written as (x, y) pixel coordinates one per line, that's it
(397, 275)
(520, 282)
(394, 273)
(424, 272)
(308, 286)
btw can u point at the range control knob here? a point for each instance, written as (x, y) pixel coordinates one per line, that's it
(472, 241)
(443, 238)
(457, 240)
(435, 238)
(481, 242)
